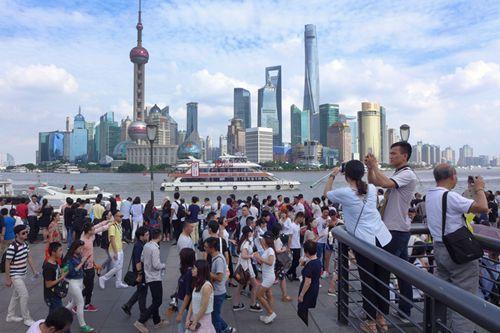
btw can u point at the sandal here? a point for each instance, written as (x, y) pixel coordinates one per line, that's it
(369, 326)
(382, 324)
(286, 299)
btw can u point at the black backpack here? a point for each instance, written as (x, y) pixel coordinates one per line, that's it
(4, 257)
(181, 211)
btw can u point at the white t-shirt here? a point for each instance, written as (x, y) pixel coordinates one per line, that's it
(184, 241)
(298, 208)
(322, 229)
(287, 226)
(316, 210)
(245, 263)
(35, 328)
(268, 270)
(399, 198)
(295, 234)
(136, 211)
(175, 207)
(456, 206)
(254, 211)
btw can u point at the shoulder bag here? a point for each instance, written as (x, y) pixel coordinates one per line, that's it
(131, 277)
(461, 244)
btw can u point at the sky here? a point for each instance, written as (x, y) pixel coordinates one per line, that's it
(434, 65)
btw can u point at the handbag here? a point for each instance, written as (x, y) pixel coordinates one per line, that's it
(284, 260)
(461, 244)
(241, 275)
(131, 277)
(61, 289)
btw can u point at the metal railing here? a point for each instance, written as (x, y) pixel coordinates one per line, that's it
(430, 311)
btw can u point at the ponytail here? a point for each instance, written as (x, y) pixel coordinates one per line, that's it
(362, 187)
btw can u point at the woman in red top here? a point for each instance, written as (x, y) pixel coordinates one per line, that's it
(53, 234)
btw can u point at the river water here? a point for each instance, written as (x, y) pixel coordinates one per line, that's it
(138, 184)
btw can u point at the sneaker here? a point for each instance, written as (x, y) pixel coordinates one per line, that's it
(229, 329)
(121, 286)
(238, 307)
(245, 293)
(13, 319)
(228, 297)
(400, 316)
(269, 319)
(89, 308)
(161, 324)
(86, 329)
(126, 309)
(102, 283)
(262, 318)
(29, 322)
(332, 293)
(324, 275)
(141, 327)
(255, 308)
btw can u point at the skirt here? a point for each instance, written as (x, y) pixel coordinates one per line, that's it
(206, 325)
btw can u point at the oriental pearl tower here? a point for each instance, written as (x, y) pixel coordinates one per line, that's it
(139, 57)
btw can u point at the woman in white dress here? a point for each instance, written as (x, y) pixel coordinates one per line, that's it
(199, 317)
(267, 260)
(137, 212)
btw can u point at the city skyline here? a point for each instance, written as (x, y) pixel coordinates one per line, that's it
(434, 79)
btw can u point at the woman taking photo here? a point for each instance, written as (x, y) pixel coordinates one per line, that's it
(362, 220)
(184, 286)
(245, 249)
(199, 317)
(74, 263)
(267, 260)
(137, 212)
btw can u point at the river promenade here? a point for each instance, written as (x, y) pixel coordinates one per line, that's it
(110, 317)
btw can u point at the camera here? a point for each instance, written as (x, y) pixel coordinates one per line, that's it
(470, 180)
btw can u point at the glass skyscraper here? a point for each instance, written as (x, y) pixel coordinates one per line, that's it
(79, 140)
(384, 136)
(273, 76)
(242, 109)
(299, 125)
(311, 84)
(328, 115)
(268, 111)
(192, 118)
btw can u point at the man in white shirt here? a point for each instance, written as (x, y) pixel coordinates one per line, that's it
(294, 245)
(465, 276)
(323, 221)
(175, 222)
(185, 240)
(298, 206)
(400, 188)
(125, 210)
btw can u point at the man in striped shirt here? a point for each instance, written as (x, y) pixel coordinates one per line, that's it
(17, 260)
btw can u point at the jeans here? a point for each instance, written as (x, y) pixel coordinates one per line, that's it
(75, 292)
(19, 294)
(127, 229)
(321, 252)
(465, 276)
(88, 284)
(219, 323)
(33, 232)
(181, 327)
(139, 296)
(116, 268)
(136, 224)
(53, 303)
(398, 246)
(156, 289)
(295, 263)
(177, 225)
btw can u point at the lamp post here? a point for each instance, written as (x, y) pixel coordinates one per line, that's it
(404, 132)
(151, 132)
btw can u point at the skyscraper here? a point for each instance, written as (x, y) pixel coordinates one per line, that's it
(339, 137)
(311, 84)
(222, 145)
(268, 111)
(108, 134)
(384, 149)
(464, 154)
(296, 117)
(328, 115)
(259, 144)
(369, 130)
(78, 142)
(139, 56)
(236, 137)
(448, 156)
(242, 109)
(192, 118)
(273, 78)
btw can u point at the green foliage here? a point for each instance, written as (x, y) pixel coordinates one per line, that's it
(128, 167)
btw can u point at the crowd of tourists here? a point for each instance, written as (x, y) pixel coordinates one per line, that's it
(236, 247)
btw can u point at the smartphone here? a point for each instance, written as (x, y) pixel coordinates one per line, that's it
(198, 325)
(470, 180)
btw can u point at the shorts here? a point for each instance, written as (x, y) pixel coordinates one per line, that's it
(329, 247)
(267, 282)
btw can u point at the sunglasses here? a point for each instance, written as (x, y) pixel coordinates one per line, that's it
(23, 232)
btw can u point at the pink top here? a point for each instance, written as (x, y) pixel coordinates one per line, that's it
(88, 246)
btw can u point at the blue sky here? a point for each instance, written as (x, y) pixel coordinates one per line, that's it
(433, 64)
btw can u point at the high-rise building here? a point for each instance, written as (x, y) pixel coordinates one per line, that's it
(339, 137)
(242, 108)
(181, 136)
(416, 154)
(299, 125)
(192, 118)
(50, 146)
(209, 146)
(311, 84)
(273, 78)
(6, 160)
(392, 137)
(268, 111)
(107, 135)
(465, 152)
(435, 154)
(259, 144)
(222, 145)
(427, 154)
(125, 123)
(448, 156)
(369, 130)
(236, 137)
(139, 56)
(384, 149)
(79, 138)
(328, 115)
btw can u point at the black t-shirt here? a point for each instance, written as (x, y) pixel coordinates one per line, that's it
(185, 285)
(69, 213)
(50, 273)
(311, 270)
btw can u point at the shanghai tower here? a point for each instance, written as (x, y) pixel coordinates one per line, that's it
(311, 84)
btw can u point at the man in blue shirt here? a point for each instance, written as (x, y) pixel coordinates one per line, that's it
(6, 229)
(142, 237)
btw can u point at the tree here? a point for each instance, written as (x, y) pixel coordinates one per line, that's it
(129, 167)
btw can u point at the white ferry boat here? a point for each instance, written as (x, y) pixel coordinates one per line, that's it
(19, 169)
(228, 173)
(58, 193)
(67, 168)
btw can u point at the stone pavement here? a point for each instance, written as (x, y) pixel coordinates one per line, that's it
(110, 317)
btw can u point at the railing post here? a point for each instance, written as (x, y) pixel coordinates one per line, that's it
(434, 312)
(342, 284)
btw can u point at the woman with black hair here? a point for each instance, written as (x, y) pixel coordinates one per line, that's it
(267, 260)
(184, 286)
(363, 221)
(151, 215)
(137, 212)
(199, 317)
(165, 219)
(44, 220)
(74, 263)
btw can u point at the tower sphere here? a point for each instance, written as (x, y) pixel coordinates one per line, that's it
(137, 131)
(139, 55)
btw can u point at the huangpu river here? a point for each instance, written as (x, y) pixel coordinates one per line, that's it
(138, 184)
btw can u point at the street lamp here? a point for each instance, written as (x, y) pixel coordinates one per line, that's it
(151, 132)
(404, 132)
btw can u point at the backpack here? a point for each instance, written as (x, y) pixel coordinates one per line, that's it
(105, 238)
(181, 211)
(308, 212)
(4, 257)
